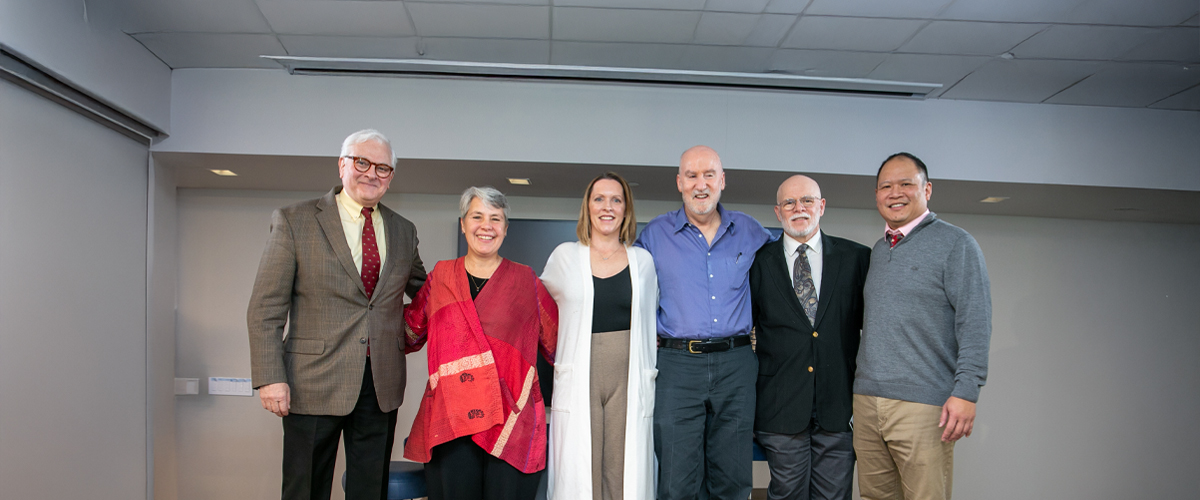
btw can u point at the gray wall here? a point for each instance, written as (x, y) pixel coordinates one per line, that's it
(1092, 363)
(73, 419)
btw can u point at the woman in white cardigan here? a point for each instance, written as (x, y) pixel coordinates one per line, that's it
(601, 414)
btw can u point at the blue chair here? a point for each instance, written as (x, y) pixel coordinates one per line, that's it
(758, 452)
(406, 480)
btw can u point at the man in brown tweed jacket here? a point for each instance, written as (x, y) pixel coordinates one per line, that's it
(335, 272)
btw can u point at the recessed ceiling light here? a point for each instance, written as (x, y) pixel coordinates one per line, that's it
(224, 173)
(518, 181)
(993, 199)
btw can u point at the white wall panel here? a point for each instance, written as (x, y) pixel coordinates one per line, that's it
(271, 112)
(73, 417)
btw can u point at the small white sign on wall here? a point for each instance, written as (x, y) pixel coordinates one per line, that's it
(225, 386)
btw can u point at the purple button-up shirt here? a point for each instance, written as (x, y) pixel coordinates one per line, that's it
(704, 291)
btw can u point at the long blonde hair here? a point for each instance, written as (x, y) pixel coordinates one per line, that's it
(628, 226)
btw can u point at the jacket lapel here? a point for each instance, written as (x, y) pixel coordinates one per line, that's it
(331, 225)
(783, 278)
(831, 267)
(391, 228)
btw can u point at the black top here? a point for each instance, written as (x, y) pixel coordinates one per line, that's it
(612, 302)
(475, 283)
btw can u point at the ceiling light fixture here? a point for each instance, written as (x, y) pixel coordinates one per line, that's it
(518, 181)
(993, 199)
(765, 81)
(223, 173)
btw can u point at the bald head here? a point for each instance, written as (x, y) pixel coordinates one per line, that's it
(701, 180)
(798, 182)
(700, 155)
(799, 207)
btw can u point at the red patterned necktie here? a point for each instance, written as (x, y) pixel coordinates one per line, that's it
(370, 258)
(894, 238)
(370, 254)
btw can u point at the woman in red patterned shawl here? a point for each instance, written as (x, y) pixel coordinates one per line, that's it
(481, 428)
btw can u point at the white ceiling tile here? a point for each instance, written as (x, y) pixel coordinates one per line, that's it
(208, 16)
(877, 8)
(384, 19)
(1128, 84)
(1136, 13)
(827, 63)
(970, 38)
(616, 55)
(748, 6)
(1020, 81)
(502, 2)
(1027, 11)
(1083, 42)
(1188, 100)
(1170, 44)
(480, 21)
(348, 46)
(851, 33)
(770, 30)
(624, 25)
(205, 50)
(928, 68)
(786, 6)
(487, 50)
(730, 59)
(719, 28)
(634, 4)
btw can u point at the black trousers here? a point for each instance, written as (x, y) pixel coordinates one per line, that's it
(704, 424)
(461, 470)
(813, 465)
(310, 444)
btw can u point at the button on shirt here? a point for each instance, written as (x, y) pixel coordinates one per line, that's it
(816, 260)
(352, 224)
(704, 290)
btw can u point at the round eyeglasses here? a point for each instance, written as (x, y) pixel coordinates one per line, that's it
(790, 204)
(363, 165)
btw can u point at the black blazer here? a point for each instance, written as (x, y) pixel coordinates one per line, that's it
(788, 345)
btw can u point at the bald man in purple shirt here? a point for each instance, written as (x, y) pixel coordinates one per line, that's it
(704, 401)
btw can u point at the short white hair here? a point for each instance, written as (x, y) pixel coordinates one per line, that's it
(490, 196)
(364, 135)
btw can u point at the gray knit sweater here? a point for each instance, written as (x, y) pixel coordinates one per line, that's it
(928, 317)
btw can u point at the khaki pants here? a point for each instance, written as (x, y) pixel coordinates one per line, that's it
(609, 391)
(900, 450)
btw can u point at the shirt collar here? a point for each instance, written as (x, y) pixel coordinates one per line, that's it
(790, 244)
(907, 228)
(680, 219)
(353, 209)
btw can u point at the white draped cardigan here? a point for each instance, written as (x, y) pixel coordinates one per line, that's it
(568, 277)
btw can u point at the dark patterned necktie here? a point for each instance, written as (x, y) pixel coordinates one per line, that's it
(803, 283)
(893, 238)
(370, 254)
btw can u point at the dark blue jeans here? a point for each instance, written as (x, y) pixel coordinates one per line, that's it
(704, 424)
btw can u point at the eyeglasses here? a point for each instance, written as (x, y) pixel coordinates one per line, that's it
(790, 204)
(363, 165)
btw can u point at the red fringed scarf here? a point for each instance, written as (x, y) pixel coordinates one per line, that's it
(483, 378)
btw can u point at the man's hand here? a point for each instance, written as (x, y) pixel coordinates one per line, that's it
(958, 417)
(277, 399)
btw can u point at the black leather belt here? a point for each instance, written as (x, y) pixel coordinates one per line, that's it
(706, 345)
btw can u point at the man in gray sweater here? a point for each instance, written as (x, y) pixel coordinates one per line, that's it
(924, 351)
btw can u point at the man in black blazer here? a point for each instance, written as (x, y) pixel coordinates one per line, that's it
(806, 289)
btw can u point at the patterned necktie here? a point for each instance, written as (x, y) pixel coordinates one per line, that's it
(894, 237)
(803, 283)
(370, 254)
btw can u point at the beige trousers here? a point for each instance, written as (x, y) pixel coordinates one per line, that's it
(900, 450)
(609, 392)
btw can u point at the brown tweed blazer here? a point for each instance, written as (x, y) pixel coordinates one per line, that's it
(307, 280)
